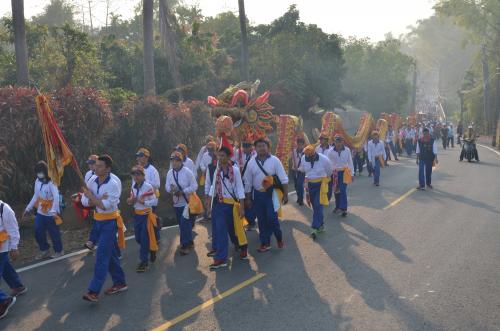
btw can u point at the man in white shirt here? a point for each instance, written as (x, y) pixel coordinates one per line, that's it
(103, 193)
(209, 158)
(298, 175)
(243, 158)
(9, 240)
(341, 159)
(152, 176)
(259, 177)
(181, 184)
(324, 145)
(228, 196)
(143, 198)
(389, 141)
(376, 155)
(187, 162)
(409, 137)
(317, 169)
(202, 151)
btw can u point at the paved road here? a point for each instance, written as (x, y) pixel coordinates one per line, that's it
(430, 262)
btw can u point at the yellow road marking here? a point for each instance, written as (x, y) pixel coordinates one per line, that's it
(401, 198)
(208, 303)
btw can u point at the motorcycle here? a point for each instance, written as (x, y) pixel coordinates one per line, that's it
(469, 149)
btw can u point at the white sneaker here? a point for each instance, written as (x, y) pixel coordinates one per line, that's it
(43, 255)
(56, 255)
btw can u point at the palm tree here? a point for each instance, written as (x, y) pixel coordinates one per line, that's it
(149, 67)
(20, 42)
(244, 41)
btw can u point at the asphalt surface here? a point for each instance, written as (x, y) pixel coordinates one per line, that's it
(430, 262)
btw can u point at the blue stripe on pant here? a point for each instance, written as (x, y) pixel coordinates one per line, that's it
(106, 256)
(9, 274)
(185, 227)
(424, 172)
(268, 218)
(341, 197)
(299, 178)
(141, 236)
(222, 218)
(314, 195)
(376, 171)
(44, 224)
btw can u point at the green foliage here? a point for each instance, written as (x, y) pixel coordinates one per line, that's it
(56, 13)
(377, 75)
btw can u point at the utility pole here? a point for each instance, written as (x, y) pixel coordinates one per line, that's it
(413, 106)
(245, 72)
(90, 14)
(461, 95)
(496, 111)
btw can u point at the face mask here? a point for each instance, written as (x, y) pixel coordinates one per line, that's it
(40, 175)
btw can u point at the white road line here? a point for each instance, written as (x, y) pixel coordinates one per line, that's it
(84, 251)
(489, 148)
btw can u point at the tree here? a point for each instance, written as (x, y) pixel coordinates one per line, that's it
(56, 13)
(149, 68)
(20, 42)
(244, 41)
(169, 45)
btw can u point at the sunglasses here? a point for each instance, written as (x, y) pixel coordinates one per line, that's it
(136, 173)
(175, 158)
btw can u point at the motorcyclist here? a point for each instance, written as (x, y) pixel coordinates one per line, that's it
(470, 137)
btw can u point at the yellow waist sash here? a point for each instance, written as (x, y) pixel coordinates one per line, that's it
(323, 190)
(202, 179)
(381, 160)
(238, 222)
(153, 245)
(347, 175)
(119, 223)
(157, 193)
(46, 205)
(3, 236)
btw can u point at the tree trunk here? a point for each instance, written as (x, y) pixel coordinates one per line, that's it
(149, 68)
(20, 45)
(169, 45)
(244, 42)
(486, 91)
(413, 106)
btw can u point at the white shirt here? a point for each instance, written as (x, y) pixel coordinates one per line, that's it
(46, 191)
(389, 136)
(205, 161)
(147, 191)
(8, 223)
(254, 176)
(152, 176)
(434, 148)
(110, 187)
(186, 181)
(410, 133)
(188, 163)
(235, 188)
(321, 168)
(93, 177)
(321, 150)
(341, 160)
(375, 150)
(244, 157)
(297, 159)
(202, 152)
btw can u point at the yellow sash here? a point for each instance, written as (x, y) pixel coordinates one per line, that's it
(381, 160)
(323, 190)
(202, 179)
(3, 236)
(153, 245)
(157, 193)
(119, 223)
(347, 175)
(46, 206)
(238, 222)
(268, 182)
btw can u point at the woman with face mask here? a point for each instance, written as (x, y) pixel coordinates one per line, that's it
(46, 201)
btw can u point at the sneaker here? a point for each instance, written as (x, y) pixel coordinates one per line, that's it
(142, 267)
(116, 288)
(152, 256)
(18, 291)
(421, 188)
(336, 210)
(5, 306)
(56, 255)
(89, 245)
(321, 229)
(184, 250)
(211, 253)
(190, 245)
(263, 248)
(314, 234)
(300, 203)
(43, 255)
(218, 264)
(430, 186)
(244, 255)
(344, 213)
(281, 244)
(377, 184)
(92, 297)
